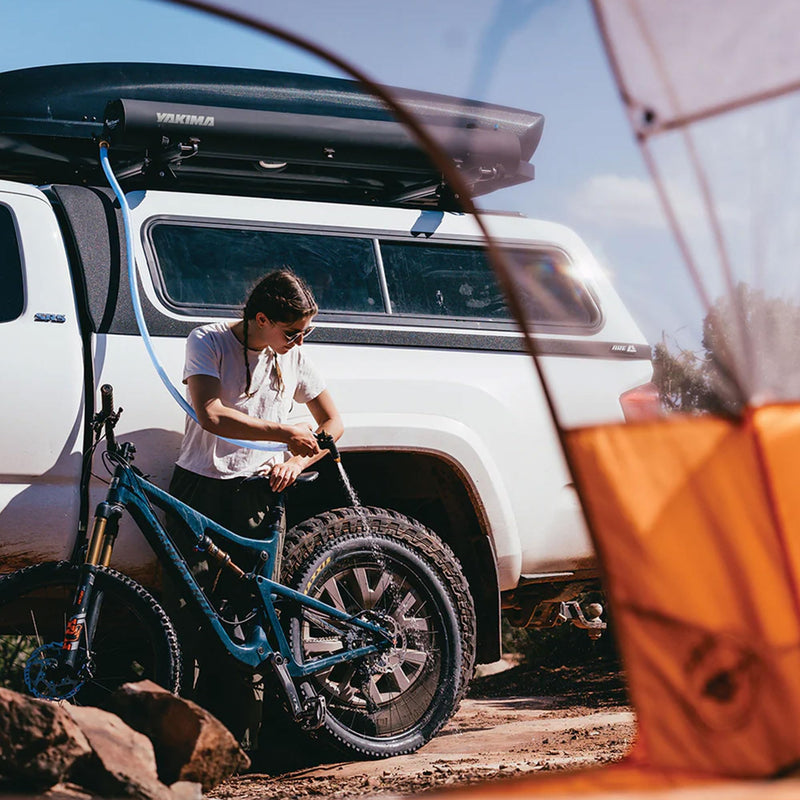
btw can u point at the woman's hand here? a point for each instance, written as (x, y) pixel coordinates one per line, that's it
(301, 440)
(283, 475)
(217, 418)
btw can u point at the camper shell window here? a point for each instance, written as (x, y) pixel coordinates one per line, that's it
(212, 267)
(12, 298)
(203, 268)
(458, 281)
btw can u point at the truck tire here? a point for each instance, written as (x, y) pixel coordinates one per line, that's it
(306, 537)
(392, 702)
(133, 640)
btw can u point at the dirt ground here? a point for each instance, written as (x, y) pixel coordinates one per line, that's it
(517, 721)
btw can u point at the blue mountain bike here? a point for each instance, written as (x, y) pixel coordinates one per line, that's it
(369, 634)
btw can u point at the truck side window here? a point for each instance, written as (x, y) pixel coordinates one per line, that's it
(457, 281)
(12, 298)
(205, 267)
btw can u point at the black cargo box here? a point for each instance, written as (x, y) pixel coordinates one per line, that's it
(251, 132)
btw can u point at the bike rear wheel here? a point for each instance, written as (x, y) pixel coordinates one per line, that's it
(133, 638)
(392, 702)
(306, 538)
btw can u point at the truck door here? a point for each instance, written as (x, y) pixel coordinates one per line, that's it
(41, 404)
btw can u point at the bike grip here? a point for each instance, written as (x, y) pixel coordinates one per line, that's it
(107, 396)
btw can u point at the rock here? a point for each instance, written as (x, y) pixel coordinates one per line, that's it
(68, 791)
(186, 790)
(122, 763)
(39, 741)
(190, 743)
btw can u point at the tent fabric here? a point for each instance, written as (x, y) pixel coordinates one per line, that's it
(697, 524)
(696, 519)
(686, 59)
(712, 89)
(623, 781)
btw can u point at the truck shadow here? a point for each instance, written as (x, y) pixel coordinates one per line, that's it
(40, 522)
(587, 683)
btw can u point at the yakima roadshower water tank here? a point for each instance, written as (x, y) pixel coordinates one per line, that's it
(288, 137)
(252, 132)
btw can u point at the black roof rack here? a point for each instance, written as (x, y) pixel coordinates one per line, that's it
(251, 132)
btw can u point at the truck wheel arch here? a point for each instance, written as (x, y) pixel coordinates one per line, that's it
(433, 490)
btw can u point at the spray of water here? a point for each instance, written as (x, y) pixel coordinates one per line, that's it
(351, 493)
(355, 502)
(391, 595)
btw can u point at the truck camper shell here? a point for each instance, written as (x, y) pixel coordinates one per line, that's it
(252, 132)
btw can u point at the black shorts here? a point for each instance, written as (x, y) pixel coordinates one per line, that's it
(213, 497)
(241, 506)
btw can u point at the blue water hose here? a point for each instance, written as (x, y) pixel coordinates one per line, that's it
(137, 310)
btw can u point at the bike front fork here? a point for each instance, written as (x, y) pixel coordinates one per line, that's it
(87, 602)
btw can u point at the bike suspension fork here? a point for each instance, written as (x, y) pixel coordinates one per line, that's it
(104, 534)
(88, 601)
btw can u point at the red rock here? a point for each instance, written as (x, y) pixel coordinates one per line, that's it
(39, 741)
(123, 763)
(190, 743)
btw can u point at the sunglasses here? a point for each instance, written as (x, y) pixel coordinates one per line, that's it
(293, 337)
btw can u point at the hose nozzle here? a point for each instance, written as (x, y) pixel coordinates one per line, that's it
(327, 442)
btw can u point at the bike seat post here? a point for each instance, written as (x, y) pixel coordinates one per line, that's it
(277, 531)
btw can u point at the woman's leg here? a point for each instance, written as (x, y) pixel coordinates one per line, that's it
(223, 686)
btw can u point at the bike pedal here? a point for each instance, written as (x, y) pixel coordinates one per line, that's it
(313, 713)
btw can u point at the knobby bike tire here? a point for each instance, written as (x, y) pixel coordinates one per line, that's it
(134, 639)
(308, 536)
(392, 703)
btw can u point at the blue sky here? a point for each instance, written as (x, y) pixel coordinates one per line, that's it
(542, 55)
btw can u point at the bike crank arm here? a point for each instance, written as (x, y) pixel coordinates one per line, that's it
(310, 712)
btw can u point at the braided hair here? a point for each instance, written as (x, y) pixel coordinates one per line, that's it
(281, 296)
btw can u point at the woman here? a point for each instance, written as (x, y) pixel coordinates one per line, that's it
(243, 380)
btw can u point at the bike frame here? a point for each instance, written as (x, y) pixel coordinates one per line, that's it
(132, 492)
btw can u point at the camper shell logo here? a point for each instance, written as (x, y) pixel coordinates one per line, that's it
(624, 348)
(198, 120)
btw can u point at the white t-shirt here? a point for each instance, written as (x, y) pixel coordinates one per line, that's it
(214, 350)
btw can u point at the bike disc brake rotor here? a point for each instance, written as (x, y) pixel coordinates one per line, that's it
(379, 680)
(48, 677)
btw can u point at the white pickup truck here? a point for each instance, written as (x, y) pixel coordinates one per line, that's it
(445, 419)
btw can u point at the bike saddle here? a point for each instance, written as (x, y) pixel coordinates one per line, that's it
(302, 478)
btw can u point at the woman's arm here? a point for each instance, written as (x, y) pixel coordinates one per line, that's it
(324, 411)
(326, 415)
(215, 417)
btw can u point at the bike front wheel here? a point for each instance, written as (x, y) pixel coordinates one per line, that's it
(392, 702)
(133, 637)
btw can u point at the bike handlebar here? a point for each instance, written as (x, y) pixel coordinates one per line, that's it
(107, 410)
(107, 397)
